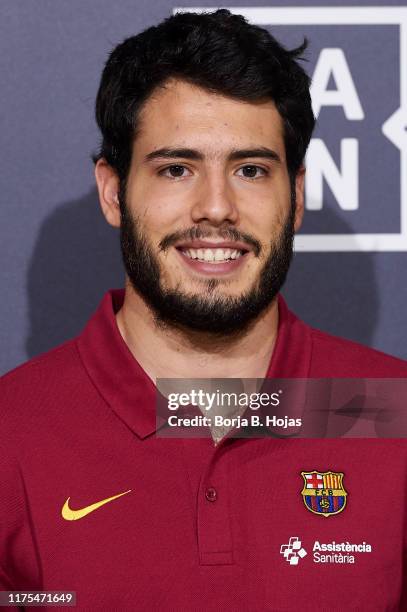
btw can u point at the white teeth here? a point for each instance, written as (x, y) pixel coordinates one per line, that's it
(219, 255)
(213, 255)
(209, 255)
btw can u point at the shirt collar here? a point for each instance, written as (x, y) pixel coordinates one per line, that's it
(127, 389)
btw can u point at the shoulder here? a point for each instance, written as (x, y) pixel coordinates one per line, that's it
(39, 382)
(339, 357)
(46, 363)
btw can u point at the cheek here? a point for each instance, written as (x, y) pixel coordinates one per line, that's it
(272, 213)
(157, 205)
(265, 221)
(161, 222)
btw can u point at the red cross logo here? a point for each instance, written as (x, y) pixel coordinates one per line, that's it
(314, 481)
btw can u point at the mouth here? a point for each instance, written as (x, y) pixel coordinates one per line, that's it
(213, 259)
(214, 256)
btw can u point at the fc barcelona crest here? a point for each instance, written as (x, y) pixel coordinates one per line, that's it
(323, 492)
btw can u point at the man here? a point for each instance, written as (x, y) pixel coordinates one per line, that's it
(205, 122)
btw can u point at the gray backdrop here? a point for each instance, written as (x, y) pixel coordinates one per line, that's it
(58, 256)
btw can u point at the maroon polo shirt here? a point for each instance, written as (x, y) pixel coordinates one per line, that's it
(197, 527)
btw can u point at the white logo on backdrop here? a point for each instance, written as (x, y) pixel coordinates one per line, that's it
(343, 179)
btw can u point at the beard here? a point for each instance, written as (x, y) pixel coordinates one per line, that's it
(207, 311)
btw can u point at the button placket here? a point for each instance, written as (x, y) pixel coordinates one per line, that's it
(213, 515)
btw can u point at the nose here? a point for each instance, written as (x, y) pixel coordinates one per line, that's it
(215, 202)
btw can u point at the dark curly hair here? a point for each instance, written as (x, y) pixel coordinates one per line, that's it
(220, 52)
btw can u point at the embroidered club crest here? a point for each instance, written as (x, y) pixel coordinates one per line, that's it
(323, 492)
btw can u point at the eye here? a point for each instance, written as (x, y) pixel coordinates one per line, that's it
(251, 171)
(174, 171)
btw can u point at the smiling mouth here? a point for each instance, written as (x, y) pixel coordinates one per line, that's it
(212, 255)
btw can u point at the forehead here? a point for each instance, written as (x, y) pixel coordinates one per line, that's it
(185, 114)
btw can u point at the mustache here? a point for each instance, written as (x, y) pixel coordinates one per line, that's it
(198, 233)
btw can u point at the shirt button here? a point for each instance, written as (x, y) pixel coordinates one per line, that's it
(211, 494)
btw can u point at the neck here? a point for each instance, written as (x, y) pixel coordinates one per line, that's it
(169, 352)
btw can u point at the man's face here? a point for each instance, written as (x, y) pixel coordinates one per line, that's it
(208, 215)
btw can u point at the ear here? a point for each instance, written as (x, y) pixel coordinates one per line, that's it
(108, 187)
(299, 198)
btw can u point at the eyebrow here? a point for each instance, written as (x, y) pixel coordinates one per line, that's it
(235, 154)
